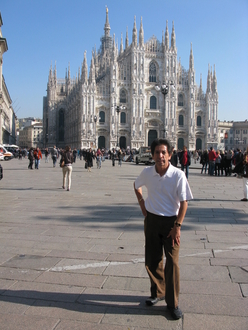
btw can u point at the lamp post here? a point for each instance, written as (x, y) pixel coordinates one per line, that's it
(164, 89)
(118, 108)
(95, 120)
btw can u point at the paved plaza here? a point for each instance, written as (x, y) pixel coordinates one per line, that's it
(75, 260)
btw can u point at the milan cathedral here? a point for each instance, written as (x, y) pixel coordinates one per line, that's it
(117, 102)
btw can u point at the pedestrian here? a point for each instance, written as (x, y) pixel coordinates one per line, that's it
(113, 154)
(37, 157)
(74, 155)
(164, 210)
(245, 176)
(204, 161)
(174, 158)
(66, 164)
(217, 163)
(211, 158)
(89, 159)
(185, 160)
(46, 155)
(120, 155)
(31, 158)
(99, 158)
(54, 155)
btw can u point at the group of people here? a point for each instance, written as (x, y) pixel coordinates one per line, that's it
(34, 157)
(218, 162)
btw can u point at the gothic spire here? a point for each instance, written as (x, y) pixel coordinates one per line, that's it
(127, 42)
(167, 38)
(191, 59)
(173, 38)
(134, 41)
(84, 70)
(214, 81)
(92, 71)
(107, 26)
(141, 34)
(209, 79)
(121, 46)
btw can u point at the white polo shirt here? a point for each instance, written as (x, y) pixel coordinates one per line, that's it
(164, 192)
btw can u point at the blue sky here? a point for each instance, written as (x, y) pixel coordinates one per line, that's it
(40, 32)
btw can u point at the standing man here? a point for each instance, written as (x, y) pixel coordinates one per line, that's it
(211, 158)
(164, 210)
(54, 155)
(37, 157)
(185, 160)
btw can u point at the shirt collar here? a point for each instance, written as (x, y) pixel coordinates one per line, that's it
(168, 172)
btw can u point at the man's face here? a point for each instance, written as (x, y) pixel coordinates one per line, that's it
(161, 156)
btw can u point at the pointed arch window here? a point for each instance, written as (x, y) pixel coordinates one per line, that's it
(123, 96)
(180, 120)
(123, 118)
(198, 121)
(153, 102)
(152, 72)
(180, 100)
(101, 117)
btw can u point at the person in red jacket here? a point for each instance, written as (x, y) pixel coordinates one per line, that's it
(37, 157)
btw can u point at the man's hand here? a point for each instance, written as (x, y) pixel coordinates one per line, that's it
(143, 209)
(175, 234)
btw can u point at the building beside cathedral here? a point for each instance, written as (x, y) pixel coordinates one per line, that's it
(7, 114)
(116, 102)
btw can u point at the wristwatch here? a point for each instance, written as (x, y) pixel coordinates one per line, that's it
(178, 224)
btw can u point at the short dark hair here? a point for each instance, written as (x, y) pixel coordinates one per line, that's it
(159, 142)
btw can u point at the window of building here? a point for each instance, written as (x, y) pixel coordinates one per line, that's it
(123, 118)
(153, 102)
(152, 72)
(180, 120)
(198, 121)
(180, 100)
(245, 131)
(101, 117)
(123, 96)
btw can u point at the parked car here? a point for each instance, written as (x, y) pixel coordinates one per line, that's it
(143, 156)
(1, 156)
(7, 155)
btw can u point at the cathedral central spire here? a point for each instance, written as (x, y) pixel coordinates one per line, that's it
(107, 26)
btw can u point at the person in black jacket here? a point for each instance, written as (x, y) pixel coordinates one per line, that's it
(174, 158)
(89, 159)
(31, 158)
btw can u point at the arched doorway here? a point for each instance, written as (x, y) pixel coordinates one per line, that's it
(152, 135)
(123, 142)
(198, 144)
(101, 142)
(180, 143)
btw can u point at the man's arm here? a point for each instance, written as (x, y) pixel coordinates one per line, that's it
(138, 193)
(176, 230)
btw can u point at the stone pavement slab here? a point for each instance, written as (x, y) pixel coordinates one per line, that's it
(75, 260)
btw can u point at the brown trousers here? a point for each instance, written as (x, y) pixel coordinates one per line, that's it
(164, 280)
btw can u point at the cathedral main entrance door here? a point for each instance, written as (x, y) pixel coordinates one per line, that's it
(101, 142)
(152, 135)
(123, 142)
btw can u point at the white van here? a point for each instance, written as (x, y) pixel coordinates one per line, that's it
(7, 155)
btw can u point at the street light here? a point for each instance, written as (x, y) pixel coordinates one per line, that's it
(118, 108)
(164, 89)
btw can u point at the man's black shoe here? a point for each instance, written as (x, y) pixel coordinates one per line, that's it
(176, 313)
(153, 300)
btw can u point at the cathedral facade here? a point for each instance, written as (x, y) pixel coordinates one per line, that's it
(131, 95)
